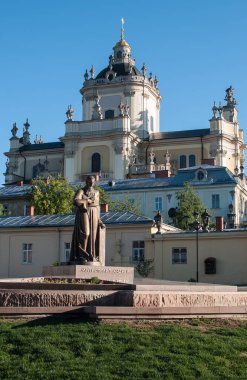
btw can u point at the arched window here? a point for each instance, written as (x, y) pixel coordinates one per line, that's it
(119, 54)
(96, 162)
(210, 265)
(109, 114)
(183, 162)
(192, 160)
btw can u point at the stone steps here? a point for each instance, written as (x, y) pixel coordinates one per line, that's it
(115, 312)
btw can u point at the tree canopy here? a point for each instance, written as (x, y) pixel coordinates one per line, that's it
(55, 196)
(52, 196)
(125, 205)
(188, 203)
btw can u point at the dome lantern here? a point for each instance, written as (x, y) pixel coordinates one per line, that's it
(122, 50)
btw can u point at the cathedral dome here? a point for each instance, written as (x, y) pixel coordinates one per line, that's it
(119, 69)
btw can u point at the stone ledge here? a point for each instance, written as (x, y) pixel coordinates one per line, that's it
(104, 312)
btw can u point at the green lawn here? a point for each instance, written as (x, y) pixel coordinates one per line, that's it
(71, 349)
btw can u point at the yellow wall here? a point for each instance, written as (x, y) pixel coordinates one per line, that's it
(229, 249)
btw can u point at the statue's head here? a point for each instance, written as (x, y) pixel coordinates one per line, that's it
(90, 180)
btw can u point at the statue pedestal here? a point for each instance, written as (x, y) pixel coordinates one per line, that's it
(93, 264)
(116, 274)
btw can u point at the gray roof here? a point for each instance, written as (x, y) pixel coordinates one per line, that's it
(43, 146)
(14, 191)
(135, 184)
(121, 69)
(216, 175)
(180, 134)
(68, 220)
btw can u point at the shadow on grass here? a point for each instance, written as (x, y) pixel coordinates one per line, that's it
(59, 319)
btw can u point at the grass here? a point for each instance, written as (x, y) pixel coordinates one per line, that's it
(53, 349)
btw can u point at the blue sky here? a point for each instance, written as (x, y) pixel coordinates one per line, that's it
(196, 48)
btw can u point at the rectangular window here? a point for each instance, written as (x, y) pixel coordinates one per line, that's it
(215, 201)
(5, 210)
(67, 247)
(27, 253)
(158, 203)
(138, 248)
(179, 255)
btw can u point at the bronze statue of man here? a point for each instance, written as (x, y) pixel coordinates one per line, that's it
(87, 221)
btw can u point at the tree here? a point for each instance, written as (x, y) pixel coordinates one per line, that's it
(125, 205)
(188, 203)
(118, 205)
(104, 197)
(52, 196)
(144, 267)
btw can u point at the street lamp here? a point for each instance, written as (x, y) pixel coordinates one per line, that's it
(198, 226)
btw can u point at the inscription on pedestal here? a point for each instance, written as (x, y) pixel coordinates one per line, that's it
(116, 274)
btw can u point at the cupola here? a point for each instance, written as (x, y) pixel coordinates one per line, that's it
(122, 50)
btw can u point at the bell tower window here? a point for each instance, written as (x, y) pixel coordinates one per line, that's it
(119, 54)
(109, 114)
(96, 163)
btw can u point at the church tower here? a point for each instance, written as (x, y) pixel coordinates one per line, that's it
(120, 109)
(122, 83)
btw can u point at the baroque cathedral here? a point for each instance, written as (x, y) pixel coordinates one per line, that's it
(119, 135)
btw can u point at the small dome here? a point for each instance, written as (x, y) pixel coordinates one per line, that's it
(121, 43)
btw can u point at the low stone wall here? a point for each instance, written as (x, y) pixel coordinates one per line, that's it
(69, 298)
(117, 300)
(188, 299)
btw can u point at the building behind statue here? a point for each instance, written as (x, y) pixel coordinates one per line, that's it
(119, 138)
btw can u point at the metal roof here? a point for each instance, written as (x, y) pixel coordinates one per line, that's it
(135, 184)
(121, 69)
(180, 134)
(69, 219)
(43, 146)
(216, 175)
(14, 191)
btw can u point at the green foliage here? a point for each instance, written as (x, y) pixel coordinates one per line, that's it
(6, 213)
(54, 196)
(62, 349)
(118, 205)
(188, 203)
(104, 197)
(95, 280)
(56, 264)
(126, 205)
(144, 267)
